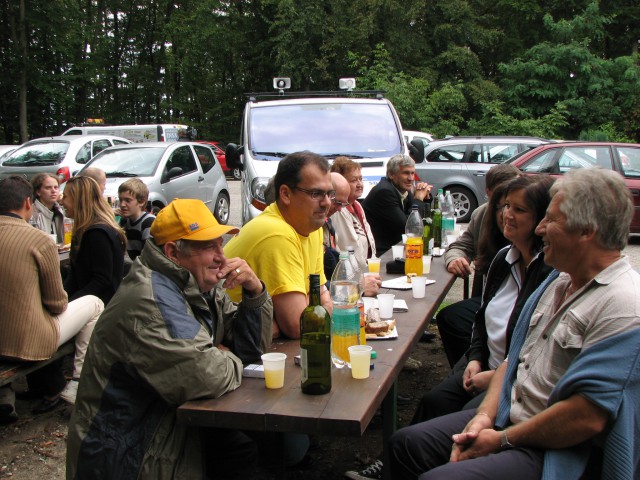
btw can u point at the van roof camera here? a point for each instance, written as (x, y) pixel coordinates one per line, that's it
(347, 84)
(281, 83)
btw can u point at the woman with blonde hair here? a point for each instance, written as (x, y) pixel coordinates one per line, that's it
(47, 214)
(98, 245)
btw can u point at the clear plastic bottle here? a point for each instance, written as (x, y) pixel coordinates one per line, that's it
(360, 304)
(345, 320)
(414, 247)
(448, 218)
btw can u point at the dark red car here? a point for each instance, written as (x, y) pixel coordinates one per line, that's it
(558, 158)
(222, 158)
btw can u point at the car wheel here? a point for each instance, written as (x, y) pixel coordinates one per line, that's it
(236, 174)
(222, 208)
(464, 203)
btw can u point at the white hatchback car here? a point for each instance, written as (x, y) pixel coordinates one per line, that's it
(61, 156)
(170, 170)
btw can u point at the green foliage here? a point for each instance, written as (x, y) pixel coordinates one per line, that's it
(495, 121)
(604, 133)
(569, 69)
(542, 67)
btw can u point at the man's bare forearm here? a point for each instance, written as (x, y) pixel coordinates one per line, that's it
(490, 403)
(564, 424)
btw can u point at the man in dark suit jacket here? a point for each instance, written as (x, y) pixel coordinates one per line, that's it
(389, 203)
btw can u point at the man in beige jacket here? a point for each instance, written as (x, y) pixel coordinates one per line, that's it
(35, 316)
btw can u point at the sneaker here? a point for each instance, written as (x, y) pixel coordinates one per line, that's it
(372, 472)
(70, 391)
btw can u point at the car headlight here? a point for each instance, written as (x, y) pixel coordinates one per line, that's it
(260, 193)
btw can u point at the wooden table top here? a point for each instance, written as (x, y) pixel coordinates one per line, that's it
(351, 404)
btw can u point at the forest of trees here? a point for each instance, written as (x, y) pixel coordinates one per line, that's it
(553, 68)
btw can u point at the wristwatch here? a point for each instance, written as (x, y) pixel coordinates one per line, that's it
(504, 441)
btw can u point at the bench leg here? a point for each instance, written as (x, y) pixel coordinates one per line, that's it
(389, 426)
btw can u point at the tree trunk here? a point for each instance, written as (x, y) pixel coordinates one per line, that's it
(22, 79)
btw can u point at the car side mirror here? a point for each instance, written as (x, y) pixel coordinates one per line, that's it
(173, 172)
(416, 150)
(234, 159)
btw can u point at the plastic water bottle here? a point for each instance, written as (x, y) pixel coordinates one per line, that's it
(448, 218)
(414, 247)
(362, 339)
(345, 320)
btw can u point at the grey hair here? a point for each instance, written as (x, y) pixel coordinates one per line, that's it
(183, 246)
(598, 200)
(398, 161)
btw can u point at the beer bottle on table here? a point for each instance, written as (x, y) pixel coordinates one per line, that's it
(414, 246)
(427, 233)
(436, 217)
(315, 343)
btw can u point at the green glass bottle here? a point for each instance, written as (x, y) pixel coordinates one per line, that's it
(427, 234)
(315, 343)
(436, 221)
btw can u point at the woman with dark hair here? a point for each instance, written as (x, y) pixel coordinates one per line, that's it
(515, 272)
(98, 245)
(491, 239)
(47, 214)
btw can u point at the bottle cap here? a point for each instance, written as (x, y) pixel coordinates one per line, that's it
(374, 354)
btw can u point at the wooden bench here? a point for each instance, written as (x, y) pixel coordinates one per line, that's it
(11, 370)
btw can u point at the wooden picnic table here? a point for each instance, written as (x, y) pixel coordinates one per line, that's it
(351, 404)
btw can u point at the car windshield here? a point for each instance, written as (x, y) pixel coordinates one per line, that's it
(129, 162)
(331, 129)
(37, 154)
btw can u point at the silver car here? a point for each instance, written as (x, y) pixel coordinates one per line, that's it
(5, 150)
(61, 156)
(170, 170)
(459, 164)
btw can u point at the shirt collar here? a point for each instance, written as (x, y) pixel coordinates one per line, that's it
(14, 215)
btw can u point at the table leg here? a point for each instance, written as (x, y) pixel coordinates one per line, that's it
(389, 416)
(281, 472)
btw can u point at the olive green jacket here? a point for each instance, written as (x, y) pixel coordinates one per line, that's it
(154, 348)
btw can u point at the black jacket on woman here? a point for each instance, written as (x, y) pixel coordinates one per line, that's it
(535, 273)
(97, 264)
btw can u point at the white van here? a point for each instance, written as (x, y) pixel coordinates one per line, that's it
(363, 126)
(138, 133)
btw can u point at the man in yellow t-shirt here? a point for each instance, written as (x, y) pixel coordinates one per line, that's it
(283, 245)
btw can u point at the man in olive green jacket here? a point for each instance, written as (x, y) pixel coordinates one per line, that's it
(167, 337)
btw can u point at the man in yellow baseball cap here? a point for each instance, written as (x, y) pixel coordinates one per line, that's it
(170, 334)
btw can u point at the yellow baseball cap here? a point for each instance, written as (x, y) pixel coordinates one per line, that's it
(187, 219)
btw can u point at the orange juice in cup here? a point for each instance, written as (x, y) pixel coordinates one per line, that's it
(374, 265)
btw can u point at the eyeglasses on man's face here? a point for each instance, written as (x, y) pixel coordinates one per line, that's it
(339, 203)
(318, 194)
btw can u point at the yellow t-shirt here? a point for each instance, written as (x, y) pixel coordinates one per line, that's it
(280, 257)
